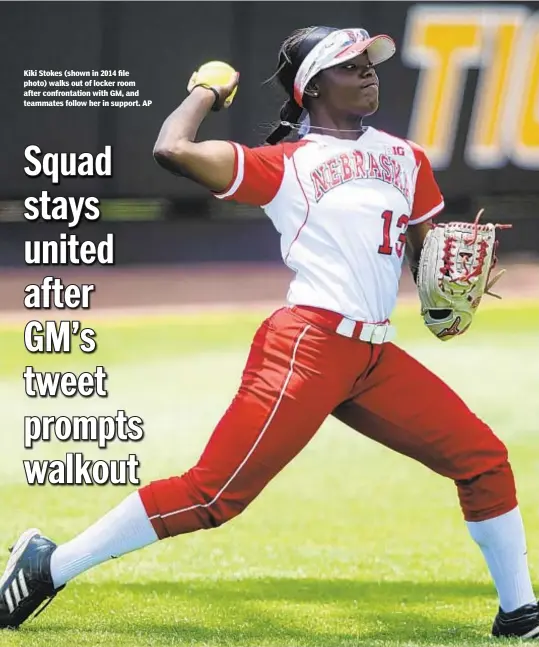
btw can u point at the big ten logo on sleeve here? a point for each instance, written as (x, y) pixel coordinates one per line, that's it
(502, 42)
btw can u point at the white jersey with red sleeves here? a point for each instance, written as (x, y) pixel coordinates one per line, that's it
(342, 208)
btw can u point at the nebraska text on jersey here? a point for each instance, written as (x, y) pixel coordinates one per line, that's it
(342, 208)
(359, 165)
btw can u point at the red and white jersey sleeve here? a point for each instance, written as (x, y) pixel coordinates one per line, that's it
(258, 174)
(428, 200)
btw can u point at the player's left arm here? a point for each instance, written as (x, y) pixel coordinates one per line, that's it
(428, 203)
(415, 237)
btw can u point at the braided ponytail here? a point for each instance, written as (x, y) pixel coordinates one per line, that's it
(290, 113)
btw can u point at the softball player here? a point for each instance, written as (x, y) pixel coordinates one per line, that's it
(347, 200)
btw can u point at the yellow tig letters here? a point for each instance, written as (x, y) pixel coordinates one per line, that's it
(502, 41)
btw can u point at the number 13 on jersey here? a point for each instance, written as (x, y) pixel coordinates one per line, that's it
(386, 248)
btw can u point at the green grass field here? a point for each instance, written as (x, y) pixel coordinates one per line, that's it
(350, 545)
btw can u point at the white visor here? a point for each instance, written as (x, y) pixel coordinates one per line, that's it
(339, 47)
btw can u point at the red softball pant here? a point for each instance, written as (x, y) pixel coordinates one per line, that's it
(298, 372)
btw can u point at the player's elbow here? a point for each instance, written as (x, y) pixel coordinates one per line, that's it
(168, 150)
(171, 156)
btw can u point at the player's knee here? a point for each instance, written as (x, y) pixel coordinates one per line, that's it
(482, 452)
(224, 509)
(484, 478)
(488, 494)
(217, 504)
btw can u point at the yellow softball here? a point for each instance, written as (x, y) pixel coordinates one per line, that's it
(214, 73)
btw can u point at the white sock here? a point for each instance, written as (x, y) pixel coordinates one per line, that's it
(503, 543)
(124, 529)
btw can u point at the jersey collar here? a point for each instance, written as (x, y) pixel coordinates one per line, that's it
(330, 139)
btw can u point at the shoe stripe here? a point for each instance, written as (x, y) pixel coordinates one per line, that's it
(531, 634)
(22, 582)
(16, 552)
(9, 601)
(16, 592)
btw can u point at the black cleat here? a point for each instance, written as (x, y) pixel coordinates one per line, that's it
(522, 623)
(26, 582)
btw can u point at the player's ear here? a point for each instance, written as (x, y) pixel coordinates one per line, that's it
(312, 90)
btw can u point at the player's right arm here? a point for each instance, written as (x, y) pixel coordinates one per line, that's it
(210, 163)
(230, 170)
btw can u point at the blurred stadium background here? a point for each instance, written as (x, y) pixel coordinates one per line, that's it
(351, 545)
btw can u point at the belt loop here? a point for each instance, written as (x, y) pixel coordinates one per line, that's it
(346, 328)
(379, 334)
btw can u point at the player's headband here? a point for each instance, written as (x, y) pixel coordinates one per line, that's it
(338, 47)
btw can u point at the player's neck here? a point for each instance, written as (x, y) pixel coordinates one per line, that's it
(339, 125)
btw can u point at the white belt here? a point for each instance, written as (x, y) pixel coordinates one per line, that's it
(370, 332)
